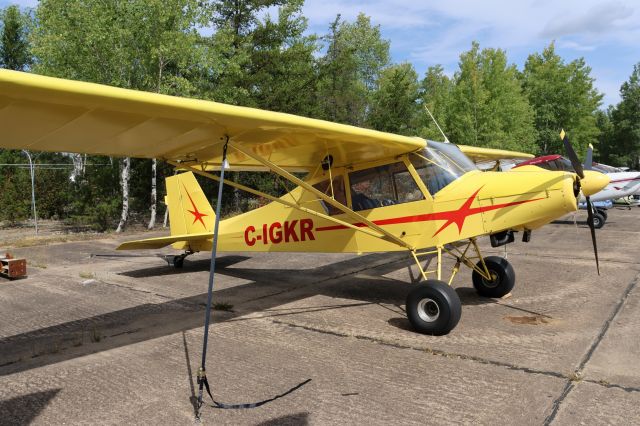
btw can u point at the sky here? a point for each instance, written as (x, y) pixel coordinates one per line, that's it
(430, 32)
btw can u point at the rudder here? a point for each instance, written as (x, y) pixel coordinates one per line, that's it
(189, 210)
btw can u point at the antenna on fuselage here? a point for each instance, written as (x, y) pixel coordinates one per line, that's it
(446, 139)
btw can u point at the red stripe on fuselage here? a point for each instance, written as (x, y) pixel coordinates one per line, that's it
(452, 216)
(625, 180)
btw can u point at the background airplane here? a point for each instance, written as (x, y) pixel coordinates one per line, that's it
(622, 184)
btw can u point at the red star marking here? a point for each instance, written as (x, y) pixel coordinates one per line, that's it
(197, 215)
(452, 216)
(458, 216)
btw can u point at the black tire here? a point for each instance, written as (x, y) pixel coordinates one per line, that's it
(604, 213)
(178, 262)
(504, 277)
(433, 307)
(598, 220)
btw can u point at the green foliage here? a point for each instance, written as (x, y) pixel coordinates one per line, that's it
(394, 105)
(14, 44)
(487, 106)
(435, 94)
(626, 121)
(562, 96)
(282, 74)
(349, 71)
(51, 186)
(141, 44)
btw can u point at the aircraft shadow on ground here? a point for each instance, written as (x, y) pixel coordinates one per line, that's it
(198, 265)
(296, 419)
(581, 223)
(22, 410)
(267, 290)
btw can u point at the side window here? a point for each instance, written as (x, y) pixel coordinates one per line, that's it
(338, 193)
(382, 186)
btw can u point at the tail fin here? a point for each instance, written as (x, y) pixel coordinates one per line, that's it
(588, 161)
(189, 210)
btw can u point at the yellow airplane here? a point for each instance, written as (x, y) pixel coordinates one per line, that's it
(364, 191)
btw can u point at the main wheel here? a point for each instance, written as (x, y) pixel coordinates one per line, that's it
(433, 308)
(502, 274)
(598, 220)
(604, 213)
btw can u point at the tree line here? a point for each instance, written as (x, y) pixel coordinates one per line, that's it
(258, 53)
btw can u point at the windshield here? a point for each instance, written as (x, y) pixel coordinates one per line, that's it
(439, 164)
(604, 168)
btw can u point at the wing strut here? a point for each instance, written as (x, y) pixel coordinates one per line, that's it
(353, 215)
(275, 199)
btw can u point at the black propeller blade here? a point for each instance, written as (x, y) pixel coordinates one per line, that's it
(577, 166)
(593, 231)
(573, 157)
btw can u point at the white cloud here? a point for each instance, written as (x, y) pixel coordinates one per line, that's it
(598, 19)
(568, 44)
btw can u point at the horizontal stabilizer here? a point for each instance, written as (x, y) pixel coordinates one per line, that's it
(154, 243)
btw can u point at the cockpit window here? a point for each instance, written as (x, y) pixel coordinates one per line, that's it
(560, 164)
(335, 190)
(439, 164)
(564, 164)
(383, 186)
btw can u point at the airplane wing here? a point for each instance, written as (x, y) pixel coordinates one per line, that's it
(155, 243)
(478, 154)
(50, 114)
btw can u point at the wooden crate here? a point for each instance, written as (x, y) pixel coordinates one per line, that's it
(13, 268)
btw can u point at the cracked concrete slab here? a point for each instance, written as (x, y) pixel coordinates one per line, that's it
(125, 347)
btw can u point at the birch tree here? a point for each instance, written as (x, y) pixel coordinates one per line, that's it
(126, 173)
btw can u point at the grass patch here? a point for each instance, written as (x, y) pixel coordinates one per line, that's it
(576, 376)
(86, 275)
(96, 335)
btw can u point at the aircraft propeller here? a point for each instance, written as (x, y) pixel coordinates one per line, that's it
(577, 166)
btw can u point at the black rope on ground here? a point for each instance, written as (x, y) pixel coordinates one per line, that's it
(222, 405)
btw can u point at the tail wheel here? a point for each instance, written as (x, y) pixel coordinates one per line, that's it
(503, 277)
(433, 307)
(178, 262)
(598, 220)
